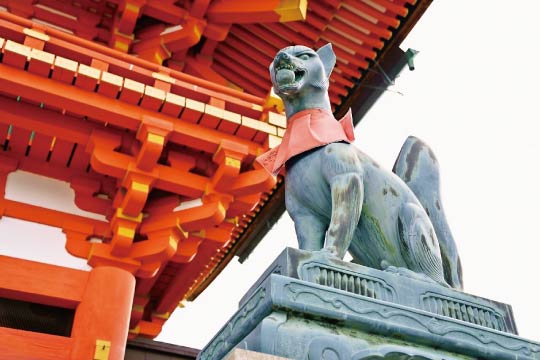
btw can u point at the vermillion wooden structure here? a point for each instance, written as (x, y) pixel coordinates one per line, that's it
(154, 111)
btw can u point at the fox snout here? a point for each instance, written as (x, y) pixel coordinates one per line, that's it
(284, 60)
(282, 56)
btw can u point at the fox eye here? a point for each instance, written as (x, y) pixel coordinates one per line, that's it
(303, 57)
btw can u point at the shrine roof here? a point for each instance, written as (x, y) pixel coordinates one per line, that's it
(154, 110)
(232, 42)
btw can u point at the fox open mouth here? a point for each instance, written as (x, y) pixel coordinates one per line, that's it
(289, 77)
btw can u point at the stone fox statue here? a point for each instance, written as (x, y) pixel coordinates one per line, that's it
(339, 198)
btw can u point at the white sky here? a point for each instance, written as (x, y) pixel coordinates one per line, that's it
(474, 98)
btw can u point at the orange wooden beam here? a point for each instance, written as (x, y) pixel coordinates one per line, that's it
(19, 344)
(307, 30)
(123, 229)
(199, 67)
(357, 36)
(180, 285)
(160, 247)
(127, 15)
(165, 11)
(346, 62)
(260, 32)
(199, 7)
(347, 16)
(247, 35)
(358, 51)
(372, 14)
(41, 283)
(83, 23)
(76, 47)
(232, 76)
(48, 122)
(248, 49)
(258, 67)
(315, 19)
(323, 10)
(85, 190)
(284, 32)
(392, 7)
(55, 16)
(108, 110)
(109, 162)
(187, 249)
(229, 157)
(242, 12)
(158, 43)
(250, 182)
(186, 220)
(51, 217)
(21, 8)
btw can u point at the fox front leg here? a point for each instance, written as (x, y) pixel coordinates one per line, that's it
(347, 194)
(310, 228)
(343, 172)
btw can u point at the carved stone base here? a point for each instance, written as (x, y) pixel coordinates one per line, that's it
(307, 306)
(240, 354)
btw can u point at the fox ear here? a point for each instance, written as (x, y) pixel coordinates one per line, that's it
(328, 58)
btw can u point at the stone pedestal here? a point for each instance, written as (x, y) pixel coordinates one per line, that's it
(240, 354)
(306, 306)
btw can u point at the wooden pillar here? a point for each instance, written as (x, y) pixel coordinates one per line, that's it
(101, 323)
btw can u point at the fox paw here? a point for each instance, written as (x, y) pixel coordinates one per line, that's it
(400, 271)
(329, 252)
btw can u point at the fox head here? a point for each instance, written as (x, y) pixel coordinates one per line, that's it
(300, 77)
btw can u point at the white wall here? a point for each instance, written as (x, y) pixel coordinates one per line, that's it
(33, 241)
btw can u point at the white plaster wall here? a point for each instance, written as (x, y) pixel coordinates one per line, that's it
(33, 241)
(45, 192)
(36, 242)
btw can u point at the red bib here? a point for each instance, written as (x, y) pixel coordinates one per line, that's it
(307, 130)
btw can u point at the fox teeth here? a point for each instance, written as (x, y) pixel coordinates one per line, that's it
(285, 66)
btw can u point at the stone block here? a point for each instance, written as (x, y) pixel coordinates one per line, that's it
(415, 291)
(240, 354)
(306, 306)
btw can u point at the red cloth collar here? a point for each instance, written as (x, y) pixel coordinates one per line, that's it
(307, 130)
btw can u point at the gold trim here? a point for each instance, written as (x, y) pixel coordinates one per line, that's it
(121, 45)
(173, 243)
(156, 139)
(102, 349)
(137, 186)
(164, 316)
(291, 10)
(229, 161)
(184, 233)
(132, 7)
(126, 232)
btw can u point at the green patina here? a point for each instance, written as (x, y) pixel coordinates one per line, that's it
(322, 326)
(300, 76)
(374, 226)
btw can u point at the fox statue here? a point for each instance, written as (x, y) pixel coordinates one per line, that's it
(339, 198)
